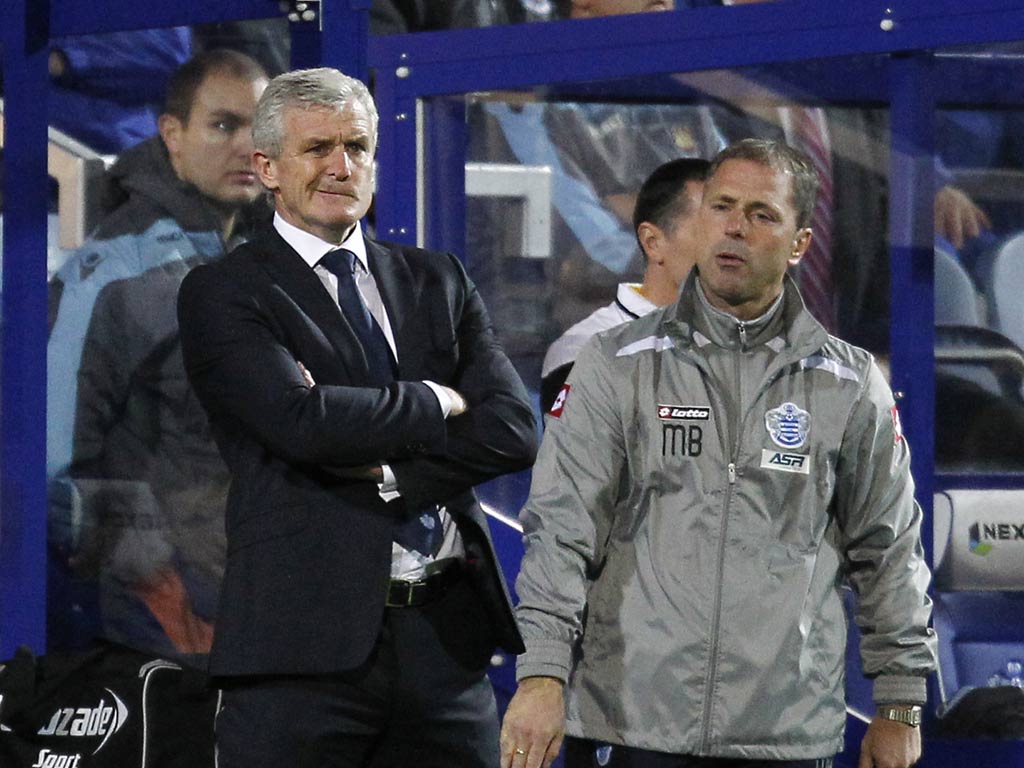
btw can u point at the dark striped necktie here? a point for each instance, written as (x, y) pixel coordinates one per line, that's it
(379, 359)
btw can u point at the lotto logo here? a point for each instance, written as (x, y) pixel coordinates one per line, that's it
(698, 412)
(48, 759)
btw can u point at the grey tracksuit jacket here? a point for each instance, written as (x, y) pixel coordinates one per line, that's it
(703, 489)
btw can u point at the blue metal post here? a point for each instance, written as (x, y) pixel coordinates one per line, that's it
(338, 38)
(23, 331)
(445, 178)
(912, 228)
(912, 234)
(395, 199)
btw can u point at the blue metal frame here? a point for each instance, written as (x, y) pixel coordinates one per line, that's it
(23, 333)
(912, 238)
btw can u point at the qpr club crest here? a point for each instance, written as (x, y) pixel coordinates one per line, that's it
(788, 425)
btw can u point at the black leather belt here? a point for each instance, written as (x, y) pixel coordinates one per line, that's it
(408, 594)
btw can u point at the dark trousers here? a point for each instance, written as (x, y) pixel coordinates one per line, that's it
(422, 699)
(585, 753)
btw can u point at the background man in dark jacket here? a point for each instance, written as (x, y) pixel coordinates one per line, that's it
(137, 487)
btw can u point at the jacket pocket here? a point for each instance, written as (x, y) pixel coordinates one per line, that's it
(265, 525)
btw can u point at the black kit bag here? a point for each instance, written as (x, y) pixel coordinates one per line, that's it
(995, 712)
(108, 707)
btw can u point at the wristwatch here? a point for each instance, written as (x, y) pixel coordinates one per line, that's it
(908, 714)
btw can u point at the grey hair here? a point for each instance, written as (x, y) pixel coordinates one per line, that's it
(781, 157)
(323, 87)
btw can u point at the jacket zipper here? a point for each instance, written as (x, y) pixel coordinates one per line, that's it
(716, 615)
(732, 474)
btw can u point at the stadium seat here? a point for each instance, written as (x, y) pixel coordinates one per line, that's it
(956, 298)
(979, 585)
(1005, 287)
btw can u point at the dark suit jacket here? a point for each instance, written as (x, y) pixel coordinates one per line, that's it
(309, 551)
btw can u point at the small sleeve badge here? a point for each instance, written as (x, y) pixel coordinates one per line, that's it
(559, 404)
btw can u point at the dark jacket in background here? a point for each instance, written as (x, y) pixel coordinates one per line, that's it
(138, 487)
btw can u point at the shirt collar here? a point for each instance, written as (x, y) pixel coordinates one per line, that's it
(629, 297)
(311, 248)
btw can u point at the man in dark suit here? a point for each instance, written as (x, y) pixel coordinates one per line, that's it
(357, 393)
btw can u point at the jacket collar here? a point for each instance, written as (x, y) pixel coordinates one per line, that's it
(803, 335)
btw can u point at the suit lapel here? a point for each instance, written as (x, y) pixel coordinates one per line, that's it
(288, 270)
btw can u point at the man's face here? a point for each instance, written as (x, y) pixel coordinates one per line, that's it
(589, 9)
(681, 237)
(748, 235)
(323, 180)
(213, 150)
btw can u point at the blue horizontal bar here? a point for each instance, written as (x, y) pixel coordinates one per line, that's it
(84, 17)
(460, 61)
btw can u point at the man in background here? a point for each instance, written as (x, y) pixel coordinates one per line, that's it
(663, 221)
(137, 488)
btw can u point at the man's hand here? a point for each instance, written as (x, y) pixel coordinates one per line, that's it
(306, 375)
(534, 724)
(889, 744)
(957, 217)
(459, 404)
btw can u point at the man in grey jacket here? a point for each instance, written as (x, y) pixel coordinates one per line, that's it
(713, 473)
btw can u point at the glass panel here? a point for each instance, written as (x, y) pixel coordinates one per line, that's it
(266, 40)
(979, 252)
(136, 485)
(583, 158)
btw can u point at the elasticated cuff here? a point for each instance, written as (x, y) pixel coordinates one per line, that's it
(900, 689)
(545, 658)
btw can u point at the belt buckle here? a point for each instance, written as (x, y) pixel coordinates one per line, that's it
(410, 591)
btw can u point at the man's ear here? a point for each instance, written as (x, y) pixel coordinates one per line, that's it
(651, 238)
(170, 128)
(266, 169)
(801, 242)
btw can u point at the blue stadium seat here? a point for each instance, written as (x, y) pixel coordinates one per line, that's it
(1005, 287)
(956, 298)
(979, 585)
